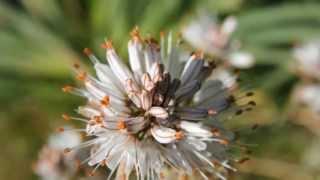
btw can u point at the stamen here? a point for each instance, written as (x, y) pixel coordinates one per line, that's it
(60, 129)
(67, 89)
(82, 76)
(223, 141)
(76, 65)
(135, 34)
(105, 101)
(216, 132)
(87, 51)
(107, 45)
(179, 135)
(66, 117)
(121, 125)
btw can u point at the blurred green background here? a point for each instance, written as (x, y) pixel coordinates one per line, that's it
(39, 40)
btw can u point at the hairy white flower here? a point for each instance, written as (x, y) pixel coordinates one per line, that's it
(52, 164)
(309, 95)
(145, 117)
(308, 58)
(215, 39)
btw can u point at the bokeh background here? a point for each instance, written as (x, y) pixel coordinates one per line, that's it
(40, 39)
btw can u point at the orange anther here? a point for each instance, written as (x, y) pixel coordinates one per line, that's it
(67, 88)
(121, 125)
(82, 76)
(216, 132)
(60, 129)
(66, 117)
(76, 65)
(107, 45)
(224, 142)
(97, 119)
(105, 101)
(87, 51)
(135, 34)
(179, 135)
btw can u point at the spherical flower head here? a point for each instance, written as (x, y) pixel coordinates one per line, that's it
(161, 111)
(52, 163)
(308, 59)
(214, 38)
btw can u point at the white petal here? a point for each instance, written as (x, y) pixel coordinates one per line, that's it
(163, 135)
(241, 59)
(136, 58)
(195, 129)
(158, 112)
(106, 75)
(229, 25)
(117, 66)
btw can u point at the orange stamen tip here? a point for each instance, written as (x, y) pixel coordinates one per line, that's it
(105, 101)
(97, 119)
(162, 34)
(211, 112)
(66, 117)
(67, 150)
(76, 65)
(82, 76)
(87, 51)
(224, 142)
(243, 160)
(216, 132)
(135, 34)
(67, 88)
(198, 54)
(179, 135)
(121, 125)
(60, 129)
(107, 45)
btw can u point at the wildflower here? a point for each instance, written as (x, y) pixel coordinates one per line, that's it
(52, 164)
(215, 39)
(309, 95)
(308, 59)
(161, 112)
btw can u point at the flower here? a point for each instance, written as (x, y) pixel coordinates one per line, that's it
(308, 59)
(215, 39)
(161, 112)
(309, 95)
(52, 164)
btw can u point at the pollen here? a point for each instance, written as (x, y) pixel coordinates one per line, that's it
(135, 34)
(82, 76)
(60, 129)
(67, 89)
(97, 119)
(224, 142)
(121, 125)
(105, 101)
(66, 117)
(87, 51)
(107, 45)
(216, 132)
(179, 135)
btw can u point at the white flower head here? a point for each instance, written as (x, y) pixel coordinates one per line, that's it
(214, 38)
(52, 164)
(309, 95)
(144, 118)
(308, 58)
